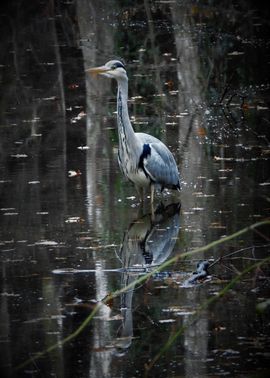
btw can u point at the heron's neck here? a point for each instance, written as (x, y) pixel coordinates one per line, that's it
(125, 129)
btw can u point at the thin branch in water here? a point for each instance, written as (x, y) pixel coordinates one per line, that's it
(253, 247)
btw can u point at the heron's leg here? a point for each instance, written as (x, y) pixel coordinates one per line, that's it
(152, 187)
(152, 194)
(140, 193)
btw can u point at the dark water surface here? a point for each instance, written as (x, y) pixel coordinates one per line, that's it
(199, 80)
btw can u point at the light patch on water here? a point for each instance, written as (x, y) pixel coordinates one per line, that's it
(162, 321)
(50, 243)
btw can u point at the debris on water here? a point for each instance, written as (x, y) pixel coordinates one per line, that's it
(161, 287)
(235, 53)
(216, 225)
(73, 86)
(74, 220)
(179, 311)
(230, 352)
(74, 173)
(184, 313)
(65, 271)
(81, 115)
(19, 156)
(6, 294)
(136, 98)
(41, 319)
(50, 243)
(262, 107)
(223, 158)
(109, 318)
(83, 148)
(202, 195)
(166, 321)
(52, 98)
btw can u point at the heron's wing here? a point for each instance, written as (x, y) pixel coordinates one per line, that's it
(162, 166)
(160, 163)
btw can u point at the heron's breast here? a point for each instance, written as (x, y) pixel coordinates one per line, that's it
(139, 178)
(133, 173)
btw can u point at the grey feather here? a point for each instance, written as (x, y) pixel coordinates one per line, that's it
(160, 164)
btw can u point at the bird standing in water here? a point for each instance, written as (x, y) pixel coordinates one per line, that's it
(143, 159)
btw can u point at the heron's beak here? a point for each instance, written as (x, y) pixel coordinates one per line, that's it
(98, 70)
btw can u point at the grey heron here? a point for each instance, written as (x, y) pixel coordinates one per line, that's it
(143, 159)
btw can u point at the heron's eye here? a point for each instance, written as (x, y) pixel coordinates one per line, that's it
(117, 65)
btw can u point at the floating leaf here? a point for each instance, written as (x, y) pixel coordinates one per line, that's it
(236, 53)
(83, 148)
(74, 173)
(19, 156)
(53, 98)
(46, 243)
(74, 220)
(166, 321)
(73, 86)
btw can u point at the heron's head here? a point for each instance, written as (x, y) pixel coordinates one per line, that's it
(114, 69)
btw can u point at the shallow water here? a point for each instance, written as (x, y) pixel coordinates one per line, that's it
(72, 229)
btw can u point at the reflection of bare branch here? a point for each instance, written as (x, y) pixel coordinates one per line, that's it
(239, 251)
(262, 235)
(225, 91)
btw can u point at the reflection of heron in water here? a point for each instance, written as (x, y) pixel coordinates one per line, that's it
(147, 243)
